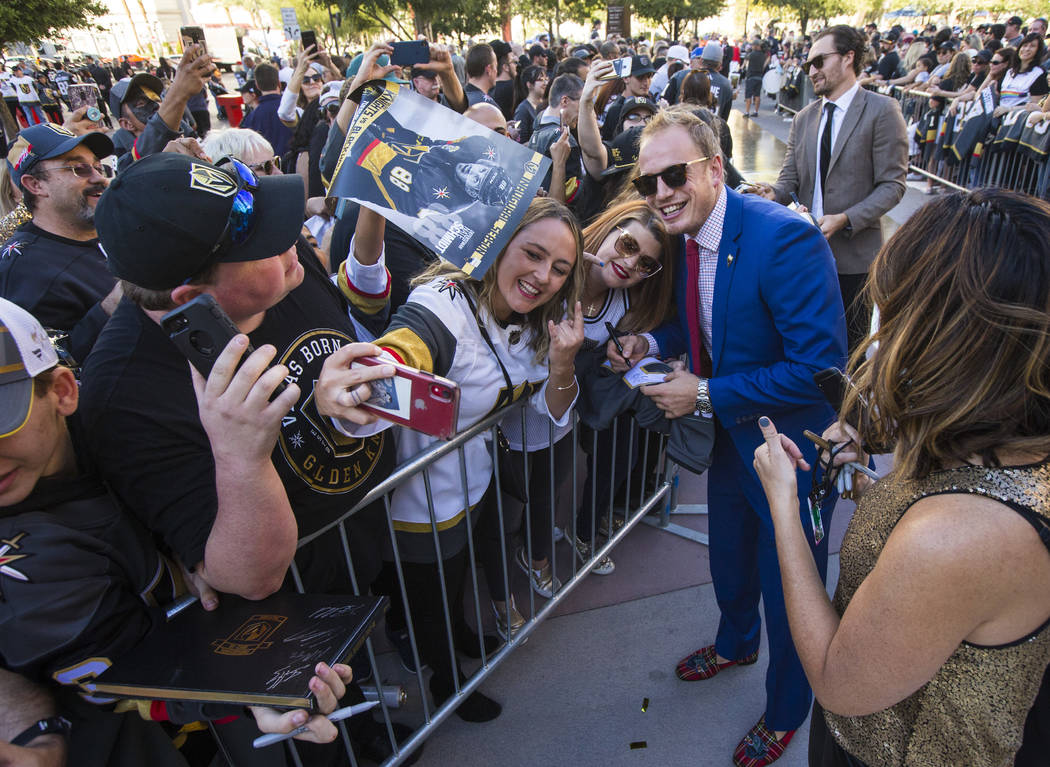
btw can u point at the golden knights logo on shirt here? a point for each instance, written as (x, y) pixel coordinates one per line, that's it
(327, 461)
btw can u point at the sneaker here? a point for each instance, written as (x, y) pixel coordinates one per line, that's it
(760, 747)
(403, 646)
(508, 615)
(916, 177)
(603, 566)
(703, 664)
(603, 524)
(543, 581)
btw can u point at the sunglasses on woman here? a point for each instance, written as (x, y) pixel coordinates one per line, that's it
(266, 168)
(312, 78)
(674, 176)
(627, 246)
(817, 62)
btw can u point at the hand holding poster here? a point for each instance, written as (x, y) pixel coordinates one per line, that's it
(454, 185)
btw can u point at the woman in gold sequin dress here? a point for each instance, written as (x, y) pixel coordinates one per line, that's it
(934, 646)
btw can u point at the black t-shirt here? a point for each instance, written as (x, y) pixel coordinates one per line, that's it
(59, 281)
(503, 94)
(582, 194)
(525, 114)
(756, 64)
(888, 65)
(476, 96)
(140, 411)
(975, 80)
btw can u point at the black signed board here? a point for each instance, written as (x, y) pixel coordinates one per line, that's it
(251, 653)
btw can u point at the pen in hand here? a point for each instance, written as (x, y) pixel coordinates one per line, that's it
(335, 716)
(614, 334)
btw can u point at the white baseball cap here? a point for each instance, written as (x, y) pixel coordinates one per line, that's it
(25, 353)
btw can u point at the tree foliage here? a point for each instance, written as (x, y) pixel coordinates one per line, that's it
(674, 14)
(807, 10)
(28, 20)
(459, 18)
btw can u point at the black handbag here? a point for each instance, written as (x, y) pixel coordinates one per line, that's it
(511, 472)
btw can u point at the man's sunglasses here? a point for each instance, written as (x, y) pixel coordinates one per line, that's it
(817, 62)
(674, 177)
(266, 168)
(627, 246)
(241, 221)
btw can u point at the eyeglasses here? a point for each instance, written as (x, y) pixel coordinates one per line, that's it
(241, 221)
(674, 177)
(312, 78)
(266, 168)
(84, 169)
(638, 117)
(817, 62)
(627, 246)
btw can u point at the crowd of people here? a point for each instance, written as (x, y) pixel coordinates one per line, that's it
(128, 479)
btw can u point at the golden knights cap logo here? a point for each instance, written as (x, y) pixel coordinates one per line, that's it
(253, 635)
(212, 180)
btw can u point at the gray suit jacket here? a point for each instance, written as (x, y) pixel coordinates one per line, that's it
(869, 163)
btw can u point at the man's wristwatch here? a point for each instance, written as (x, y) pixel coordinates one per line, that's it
(703, 398)
(53, 725)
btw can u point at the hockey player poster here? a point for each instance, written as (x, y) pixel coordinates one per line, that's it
(456, 186)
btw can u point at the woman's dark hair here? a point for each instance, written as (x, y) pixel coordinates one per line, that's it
(696, 89)
(962, 366)
(847, 39)
(1040, 51)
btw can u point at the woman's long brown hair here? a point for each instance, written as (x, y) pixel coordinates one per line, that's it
(651, 299)
(563, 301)
(962, 368)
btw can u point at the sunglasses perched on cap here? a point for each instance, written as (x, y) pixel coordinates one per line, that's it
(674, 176)
(241, 221)
(626, 246)
(817, 62)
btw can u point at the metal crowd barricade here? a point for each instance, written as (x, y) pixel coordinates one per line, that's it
(645, 488)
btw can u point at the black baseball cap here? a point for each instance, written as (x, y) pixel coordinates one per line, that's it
(634, 104)
(146, 84)
(161, 221)
(537, 50)
(641, 65)
(430, 74)
(984, 56)
(500, 48)
(47, 141)
(585, 52)
(623, 152)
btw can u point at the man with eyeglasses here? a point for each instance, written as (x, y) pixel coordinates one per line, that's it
(636, 85)
(846, 161)
(759, 313)
(51, 266)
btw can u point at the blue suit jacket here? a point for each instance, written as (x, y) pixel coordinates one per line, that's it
(777, 318)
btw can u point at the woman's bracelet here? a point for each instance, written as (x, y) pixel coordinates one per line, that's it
(570, 386)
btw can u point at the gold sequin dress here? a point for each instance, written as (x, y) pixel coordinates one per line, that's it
(972, 712)
(12, 221)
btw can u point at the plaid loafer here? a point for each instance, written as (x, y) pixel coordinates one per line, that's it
(702, 665)
(760, 746)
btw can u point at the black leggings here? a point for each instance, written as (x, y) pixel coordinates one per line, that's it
(603, 487)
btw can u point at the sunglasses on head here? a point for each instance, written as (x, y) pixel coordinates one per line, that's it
(817, 62)
(674, 176)
(627, 246)
(241, 221)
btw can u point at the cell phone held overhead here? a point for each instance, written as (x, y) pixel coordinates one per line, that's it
(409, 53)
(414, 398)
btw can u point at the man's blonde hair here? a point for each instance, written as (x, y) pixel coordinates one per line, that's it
(683, 116)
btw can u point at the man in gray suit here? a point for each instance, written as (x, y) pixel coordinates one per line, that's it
(846, 161)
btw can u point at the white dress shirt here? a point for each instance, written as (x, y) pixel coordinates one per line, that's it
(841, 105)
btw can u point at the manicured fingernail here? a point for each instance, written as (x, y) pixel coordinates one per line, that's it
(763, 422)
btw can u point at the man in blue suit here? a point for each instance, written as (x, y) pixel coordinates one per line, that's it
(759, 311)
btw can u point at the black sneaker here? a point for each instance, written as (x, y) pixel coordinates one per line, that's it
(403, 645)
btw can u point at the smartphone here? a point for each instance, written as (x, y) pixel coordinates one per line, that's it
(191, 35)
(621, 68)
(412, 52)
(421, 401)
(81, 95)
(201, 330)
(307, 37)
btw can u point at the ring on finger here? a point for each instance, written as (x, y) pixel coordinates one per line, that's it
(356, 397)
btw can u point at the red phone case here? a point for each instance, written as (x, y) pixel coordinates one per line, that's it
(413, 398)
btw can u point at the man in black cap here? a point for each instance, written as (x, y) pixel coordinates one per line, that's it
(425, 83)
(506, 73)
(51, 265)
(636, 85)
(148, 121)
(889, 60)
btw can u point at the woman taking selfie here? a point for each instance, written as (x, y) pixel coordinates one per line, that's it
(935, 644)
